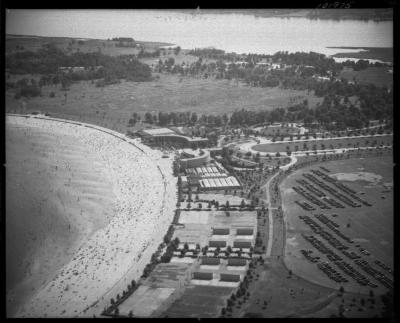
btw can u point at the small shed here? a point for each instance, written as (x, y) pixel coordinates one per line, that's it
(221, 231)
(202, 276)
(217, 244)
(237, 262)
(211, 261)
(244, 232)
(242, 244)
(230, 277)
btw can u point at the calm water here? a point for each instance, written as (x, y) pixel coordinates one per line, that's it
(231, 32)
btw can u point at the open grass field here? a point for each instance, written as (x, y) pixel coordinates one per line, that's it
(199, 301)
(277, 295)
(352, 305)
(145, 300)
(371, 228)
(298, 145)
(169, 93)
(375, 75)
(168, 275)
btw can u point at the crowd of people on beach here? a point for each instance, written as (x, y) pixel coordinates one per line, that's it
(143, 209)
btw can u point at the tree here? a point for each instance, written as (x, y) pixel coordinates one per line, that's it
(148, 118)
(194, 118)
(170, 62)
(177, 50)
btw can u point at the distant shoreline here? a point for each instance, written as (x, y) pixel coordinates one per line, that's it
(155, 43)
(384, 54)
(364, 14)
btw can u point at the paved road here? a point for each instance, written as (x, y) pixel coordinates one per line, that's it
(246, 147)
(270, 217)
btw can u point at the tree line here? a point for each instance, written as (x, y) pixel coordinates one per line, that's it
(48, 60)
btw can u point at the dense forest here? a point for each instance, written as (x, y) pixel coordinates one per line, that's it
(49, 59)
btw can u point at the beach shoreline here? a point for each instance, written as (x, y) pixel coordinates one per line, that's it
(109, 253)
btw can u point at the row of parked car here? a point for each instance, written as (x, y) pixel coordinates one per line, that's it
(305, 206)
(310, 197)
(331, 190)
(326, 235)
(383, 279)
(382, 265)
(333, 226)
(342, 187)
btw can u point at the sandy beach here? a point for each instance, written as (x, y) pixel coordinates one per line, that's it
(85, 211)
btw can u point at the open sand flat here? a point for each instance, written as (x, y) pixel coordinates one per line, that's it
(84, 209)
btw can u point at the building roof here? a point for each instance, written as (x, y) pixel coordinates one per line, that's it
(159, 131)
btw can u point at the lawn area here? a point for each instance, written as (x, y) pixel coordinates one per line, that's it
(158, 291)
(275, 295)
(145, 300)
(328, 144)
(352, 303)
(169, 93)
(199, 301)
(378, 76)
(371, 228)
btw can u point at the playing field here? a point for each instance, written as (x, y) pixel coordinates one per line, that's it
(371, 228)
(298, 145)
(200, 301)
(158, 291)
(145, 301)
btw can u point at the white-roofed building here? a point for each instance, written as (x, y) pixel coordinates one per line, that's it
(166, 136)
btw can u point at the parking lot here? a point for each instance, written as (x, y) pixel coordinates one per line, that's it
(369, 227)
